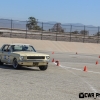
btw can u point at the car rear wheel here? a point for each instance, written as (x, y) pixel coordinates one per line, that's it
(43, 67)
(15, 64)
(1, 63)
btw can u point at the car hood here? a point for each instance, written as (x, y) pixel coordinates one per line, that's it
(25, 53)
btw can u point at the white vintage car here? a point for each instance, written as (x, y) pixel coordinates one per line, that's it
(23, 55)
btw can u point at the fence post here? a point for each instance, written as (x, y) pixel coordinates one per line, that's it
(70, 32)
(57, 32)
(42, 31)
(11, 28)
(84, 34)
(26, 29)
(98, 35)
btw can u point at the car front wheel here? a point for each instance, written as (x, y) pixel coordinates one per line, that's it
(15, 64)
(43, 67)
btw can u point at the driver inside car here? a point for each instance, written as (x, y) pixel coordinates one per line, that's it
(24, 48)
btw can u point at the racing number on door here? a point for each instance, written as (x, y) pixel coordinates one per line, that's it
(6, 53)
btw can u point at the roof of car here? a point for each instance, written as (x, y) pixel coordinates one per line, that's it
(17, 44)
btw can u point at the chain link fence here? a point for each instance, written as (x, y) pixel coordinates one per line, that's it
(50, 31)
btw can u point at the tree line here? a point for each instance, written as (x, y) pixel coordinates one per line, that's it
(32, 24)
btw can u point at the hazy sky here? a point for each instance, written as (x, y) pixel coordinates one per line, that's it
(64, 11)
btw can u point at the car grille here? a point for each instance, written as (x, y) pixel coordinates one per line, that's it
(36, 57)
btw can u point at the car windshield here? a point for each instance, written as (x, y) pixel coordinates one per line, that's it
(22, 48)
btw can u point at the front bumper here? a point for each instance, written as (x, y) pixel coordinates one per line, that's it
(34, 63)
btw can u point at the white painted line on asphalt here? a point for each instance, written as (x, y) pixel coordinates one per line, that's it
(94, 72)
(78, 63)
(71, 68)
(78, 69)
(91, 87)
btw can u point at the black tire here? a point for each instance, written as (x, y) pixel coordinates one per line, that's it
(1, 63)
(43, 67)
(15, 64)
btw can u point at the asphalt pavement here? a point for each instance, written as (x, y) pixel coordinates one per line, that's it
(63, 82)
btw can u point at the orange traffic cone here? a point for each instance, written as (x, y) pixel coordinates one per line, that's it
(52, 52)
(85, 69)
(53, 60)
(96, 62)
(58, 64)
(56, 61)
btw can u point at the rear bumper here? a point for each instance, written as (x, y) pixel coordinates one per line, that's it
(31, 63)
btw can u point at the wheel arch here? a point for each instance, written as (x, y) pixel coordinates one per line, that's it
(14, 58)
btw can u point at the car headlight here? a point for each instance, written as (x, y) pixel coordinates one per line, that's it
(21, 58)
(48, 57)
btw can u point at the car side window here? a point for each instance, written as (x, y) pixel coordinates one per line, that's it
(6, 48)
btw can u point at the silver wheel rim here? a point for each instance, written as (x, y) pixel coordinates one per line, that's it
(15, 63)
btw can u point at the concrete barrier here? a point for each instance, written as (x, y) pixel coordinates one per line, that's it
(57, 46)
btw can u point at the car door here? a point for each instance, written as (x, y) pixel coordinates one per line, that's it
(5, 54)
(8, 55)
